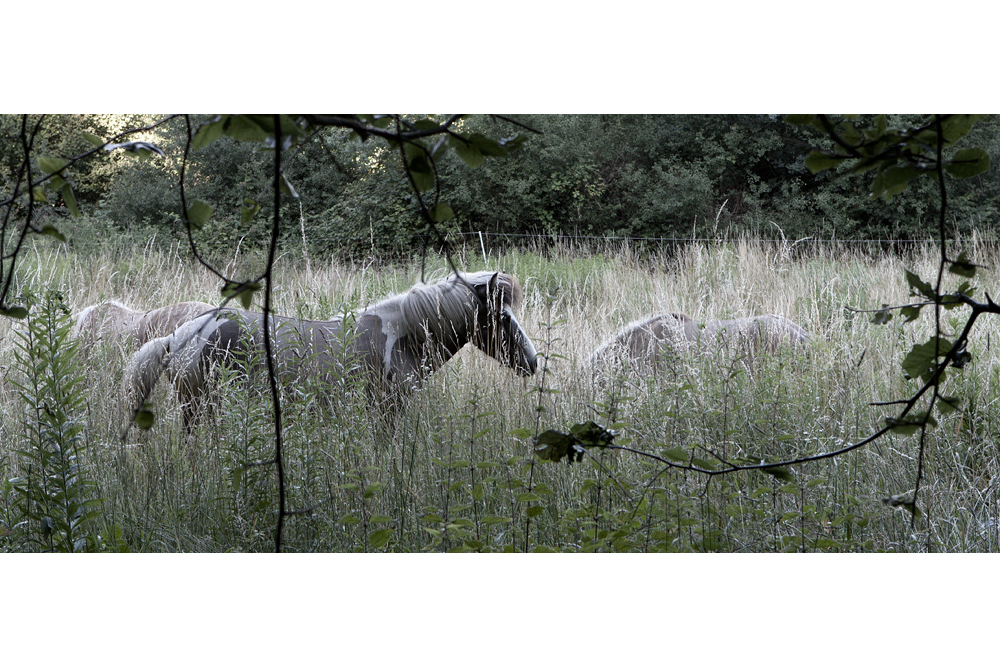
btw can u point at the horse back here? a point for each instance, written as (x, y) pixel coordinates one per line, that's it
(163, 321)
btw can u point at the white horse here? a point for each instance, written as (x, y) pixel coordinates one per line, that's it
(111, 322)
(649, 343)
(396, 342)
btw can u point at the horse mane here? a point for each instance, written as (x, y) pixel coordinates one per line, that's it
(427, 306)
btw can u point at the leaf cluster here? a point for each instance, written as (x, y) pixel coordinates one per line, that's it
(553, 445)
(896, 156)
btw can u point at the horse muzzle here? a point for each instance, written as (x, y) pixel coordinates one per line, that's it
(527, 367)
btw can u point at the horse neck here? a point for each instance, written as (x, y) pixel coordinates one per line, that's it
(431, 325)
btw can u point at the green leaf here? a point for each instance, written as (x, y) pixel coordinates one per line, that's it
(51, 165)
(477, 492)
(849, 133)
(883, 316)
(910, 424)
(17, 312)
(145, 417)
(922, 358)
(67, 195)
(49, 230)
(818, 161)
(919, 286)
(800, 118)
(910, 313)
(677, 454)
(956, 126)
(520, 433)
(534, 510)
(865, 165)
(486, 146)
(962, 267)
(199, 212)
(948, 404)
(380, 518)
(38, 193)
(591, 434)
(441, 213)
(208, 132)
(468, 153)
(246, 296)
(528, 497)
(781, 474)
(491, 520)
(249, 210)
(967, 163)
(426, 124)
(420, 172)
(244, 128)
(242, 291)
(896, 179)
(93, 139)
(703, 464)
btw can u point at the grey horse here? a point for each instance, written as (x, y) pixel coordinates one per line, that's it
(650, 342)
(396, 342)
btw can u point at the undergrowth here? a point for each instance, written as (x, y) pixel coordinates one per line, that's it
(452, 468)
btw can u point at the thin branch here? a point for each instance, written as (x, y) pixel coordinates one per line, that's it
(184, 206)
(25, 167)
(362, 128)
(937, 309)
(514, 122)
(272, 378)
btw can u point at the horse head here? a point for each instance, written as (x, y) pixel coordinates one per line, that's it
(497, 332)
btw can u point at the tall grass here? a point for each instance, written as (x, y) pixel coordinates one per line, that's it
(445, 473)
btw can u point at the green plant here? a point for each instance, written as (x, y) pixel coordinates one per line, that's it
(56, 496)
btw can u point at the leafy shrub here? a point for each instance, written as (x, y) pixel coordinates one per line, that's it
(54, 496)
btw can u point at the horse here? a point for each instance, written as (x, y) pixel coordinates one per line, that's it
(397, 343)
(112, 322)
(646, 343)
(755, 335)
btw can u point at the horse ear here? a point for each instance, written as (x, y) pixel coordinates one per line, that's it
(494, 289)
(481, 292)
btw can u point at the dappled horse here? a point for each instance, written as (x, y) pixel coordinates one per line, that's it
(112, 323)
(397, 342)
(651, 342)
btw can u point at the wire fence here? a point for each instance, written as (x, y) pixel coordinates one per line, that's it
(417, 240)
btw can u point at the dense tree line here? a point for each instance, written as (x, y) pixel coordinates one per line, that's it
(646, 176)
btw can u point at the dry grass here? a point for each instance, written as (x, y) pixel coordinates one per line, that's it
(363, 473)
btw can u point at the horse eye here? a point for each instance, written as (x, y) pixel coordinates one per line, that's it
(505, 318)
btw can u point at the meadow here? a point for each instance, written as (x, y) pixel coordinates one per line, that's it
(454, 470)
